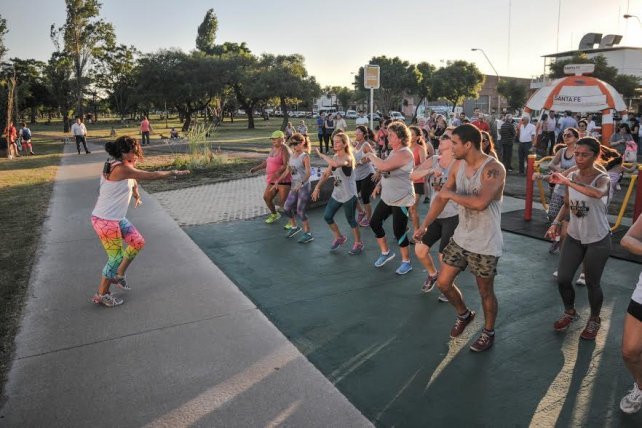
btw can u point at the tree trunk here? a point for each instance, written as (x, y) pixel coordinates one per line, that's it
(33, 113)
(414, 116)
(231, 116)
(284, 109)
(65, 122)
(250, 118)
(188, 121)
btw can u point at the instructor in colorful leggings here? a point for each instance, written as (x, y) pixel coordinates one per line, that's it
(118, 183)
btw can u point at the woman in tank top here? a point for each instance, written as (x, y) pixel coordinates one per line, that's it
(632, 334)
(344, 193)
(589, 234)
(436, 169)
(364, 174)
(274, 165)
(118, 183)
(397, 195)
(299, 196)
(419, 154)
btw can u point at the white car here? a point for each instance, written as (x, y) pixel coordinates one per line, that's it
(395, 115)
(351, 114)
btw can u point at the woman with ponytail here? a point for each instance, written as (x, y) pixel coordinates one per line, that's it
(118, 183)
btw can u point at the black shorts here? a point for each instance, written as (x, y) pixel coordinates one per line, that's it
(635, 310)
(441, 229)
(419, 188)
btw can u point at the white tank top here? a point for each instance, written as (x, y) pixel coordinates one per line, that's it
(362, 170)
(113, 198)
(436, 183)
(478, 231)
(345, 186)
(589, 222)
(637, 293)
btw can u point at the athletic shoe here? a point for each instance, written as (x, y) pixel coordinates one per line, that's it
(632, 402)
(564, 321)
(426, 200)
(364, 222)
(107, 299)
(357, 248)
(555, 247)
(581, 280)
(384, 258)
(272, 218)
(307, 237)
(338, 242)
(461, 323)
(360, 216)
(404, 268)
(483, 342)
(120, 282)
(429, 283)
(293, 231)
(288, 226)
(555, 274)
(591, 329)
(442, 298)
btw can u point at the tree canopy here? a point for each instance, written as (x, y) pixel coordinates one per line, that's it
(457, 81)
(514, 92)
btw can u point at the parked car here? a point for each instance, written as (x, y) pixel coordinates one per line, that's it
(351, 114)
(342, 113)
(395, 115)
(375, 117)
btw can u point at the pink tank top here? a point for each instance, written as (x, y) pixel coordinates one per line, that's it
(274, 163)
(415, 155)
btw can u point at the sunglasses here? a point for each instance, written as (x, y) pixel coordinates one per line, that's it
(567, 135)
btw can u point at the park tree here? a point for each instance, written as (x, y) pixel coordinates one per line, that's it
(423, 89)
(457, 81)
(245, 72)
(188, 82)
(398, 78)
(206, 33)
(31, 89)
(116, 75)
(286, 77)
(625, 84)
(514, 92)
(86, 39)
(58, 79)
(3, 32)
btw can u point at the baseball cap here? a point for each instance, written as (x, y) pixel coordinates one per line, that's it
(277, 134)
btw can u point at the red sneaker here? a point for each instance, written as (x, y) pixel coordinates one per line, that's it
(591, 329)
(483, 342)
(566, 320)
(461, 324)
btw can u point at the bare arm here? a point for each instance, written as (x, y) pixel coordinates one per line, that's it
(424, 169)
(555, 163)
(439, 203)
(632, 241)
(600, 189)
(126, 171)
(259, 167)
(394, 161)
(322, 179)
(334, 162)
(492, 182)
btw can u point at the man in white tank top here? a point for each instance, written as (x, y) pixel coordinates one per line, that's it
(475, 184)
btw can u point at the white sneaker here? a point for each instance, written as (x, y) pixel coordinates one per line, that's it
(555, 274)
(581, 280)
(442, 298)
(632, 401)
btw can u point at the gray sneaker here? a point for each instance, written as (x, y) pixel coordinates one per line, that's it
(120, 282)
(107, 299)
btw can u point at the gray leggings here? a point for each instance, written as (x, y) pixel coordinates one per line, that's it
(594, 256)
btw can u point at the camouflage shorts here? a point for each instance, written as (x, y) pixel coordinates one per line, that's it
(481, 265)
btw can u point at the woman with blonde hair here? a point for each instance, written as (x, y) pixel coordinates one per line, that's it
(341, 167)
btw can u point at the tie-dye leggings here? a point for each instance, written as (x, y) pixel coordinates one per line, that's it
(112, 233)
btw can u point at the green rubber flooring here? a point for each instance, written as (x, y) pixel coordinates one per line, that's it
(386, 346)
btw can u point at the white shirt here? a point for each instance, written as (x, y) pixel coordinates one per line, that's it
(526, 133)
(362, 121)
(591, 126)
(499, 123)
(340, 124)
(78, 129)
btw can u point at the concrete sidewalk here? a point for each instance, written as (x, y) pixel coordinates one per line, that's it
(186, 348)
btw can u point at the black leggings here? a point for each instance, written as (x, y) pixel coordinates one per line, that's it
(399, 222)
(594, 256)
(365, 188)
(326, 139)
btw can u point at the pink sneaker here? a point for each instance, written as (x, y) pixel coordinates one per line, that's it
(338, 242)
(364, 222)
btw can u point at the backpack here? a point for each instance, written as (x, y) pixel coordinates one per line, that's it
(26, 134)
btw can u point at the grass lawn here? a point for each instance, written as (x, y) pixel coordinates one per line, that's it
(25, 189)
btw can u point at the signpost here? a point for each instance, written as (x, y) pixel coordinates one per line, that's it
(579, 69)
(372, 81)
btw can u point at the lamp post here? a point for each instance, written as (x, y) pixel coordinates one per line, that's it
(496, 74)
(627, 16)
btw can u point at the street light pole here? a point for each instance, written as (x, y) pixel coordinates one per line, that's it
(627, 16)
(496, 74)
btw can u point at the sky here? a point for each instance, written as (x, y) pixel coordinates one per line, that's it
(336, 38)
